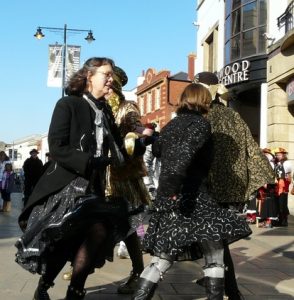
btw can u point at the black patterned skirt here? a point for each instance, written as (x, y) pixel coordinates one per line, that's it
(177, 225)
(63, 221)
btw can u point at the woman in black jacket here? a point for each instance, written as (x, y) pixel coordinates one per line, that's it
(81, 135)
(184, 213)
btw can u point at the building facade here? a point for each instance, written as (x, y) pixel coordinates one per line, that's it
(235, 39)
(280, 80)
(158, 95)
(249, 44)
(19, 150)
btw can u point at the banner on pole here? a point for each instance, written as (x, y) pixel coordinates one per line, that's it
(55, 66)
(73, 54)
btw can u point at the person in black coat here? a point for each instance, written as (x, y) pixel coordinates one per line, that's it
(81, 135)
(185, 216)
(33, 169)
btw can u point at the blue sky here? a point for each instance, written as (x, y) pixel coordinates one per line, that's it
(136, 34)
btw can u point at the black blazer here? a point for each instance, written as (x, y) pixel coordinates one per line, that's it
(72, 142)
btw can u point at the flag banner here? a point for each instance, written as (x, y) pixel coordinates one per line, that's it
(55, 66)
(72, 61)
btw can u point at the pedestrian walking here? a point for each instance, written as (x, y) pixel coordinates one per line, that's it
(67, 217)
(7, 186)
(4, 159)
(33, 169)
(185, 215)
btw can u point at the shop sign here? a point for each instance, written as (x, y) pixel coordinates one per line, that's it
(235, 73)
(290, 91)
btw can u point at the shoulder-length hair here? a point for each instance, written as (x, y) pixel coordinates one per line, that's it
(77, 84)
(195, 97)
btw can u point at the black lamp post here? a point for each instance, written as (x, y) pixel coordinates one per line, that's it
(39, 35)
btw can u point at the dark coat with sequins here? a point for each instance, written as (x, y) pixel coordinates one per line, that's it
(185, 149)
(176, 224)
(239, 167)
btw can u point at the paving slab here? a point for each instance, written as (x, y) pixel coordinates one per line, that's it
(264, 267)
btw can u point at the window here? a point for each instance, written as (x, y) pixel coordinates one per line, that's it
(250, 15)
(209, 42)
(12, 153)
(210, 51)
(149, 102)
(141, 105)
(157, 98)
(245, 23)
(236, 21)
(249, 42)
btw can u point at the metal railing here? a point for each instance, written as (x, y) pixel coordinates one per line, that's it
(286, 19)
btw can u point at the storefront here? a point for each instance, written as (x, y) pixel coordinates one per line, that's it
(246, 80)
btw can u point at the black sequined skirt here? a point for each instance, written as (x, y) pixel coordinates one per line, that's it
(178, 225)
(63, 221)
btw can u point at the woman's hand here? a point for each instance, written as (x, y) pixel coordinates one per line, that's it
(99, 162)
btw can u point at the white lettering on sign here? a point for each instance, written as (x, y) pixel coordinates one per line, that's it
(237, 72)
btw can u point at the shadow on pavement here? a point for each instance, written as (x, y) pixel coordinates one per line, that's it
(8, 220)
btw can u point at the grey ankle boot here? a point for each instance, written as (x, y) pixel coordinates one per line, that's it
(145, 290)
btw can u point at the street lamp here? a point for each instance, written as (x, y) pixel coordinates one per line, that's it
(89, 38)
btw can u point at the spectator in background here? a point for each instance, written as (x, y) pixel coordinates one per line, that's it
(267, 203)
(4, 159)
(33, 169)
(48, 162)
(283, 170)
(7, 184)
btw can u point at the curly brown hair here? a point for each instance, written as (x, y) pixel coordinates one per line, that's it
(77, 84)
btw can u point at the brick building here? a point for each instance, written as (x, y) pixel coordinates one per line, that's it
(158, 95)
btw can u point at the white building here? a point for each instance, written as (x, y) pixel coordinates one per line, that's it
(249, 44)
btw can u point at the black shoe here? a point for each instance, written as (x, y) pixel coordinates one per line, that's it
(145, 291)
(214, 288)
(284, 222)
(41, 294)
(202, 281)
(235, 296)
(74, 294)
(41, 291)
(130, 286)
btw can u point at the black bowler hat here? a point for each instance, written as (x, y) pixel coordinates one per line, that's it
(208, 78)
(34, 151)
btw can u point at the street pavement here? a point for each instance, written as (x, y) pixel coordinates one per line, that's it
(264, 266)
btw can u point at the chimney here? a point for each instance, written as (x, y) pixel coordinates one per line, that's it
(191, 66)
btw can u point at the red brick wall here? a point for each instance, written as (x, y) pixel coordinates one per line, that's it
(170, 92)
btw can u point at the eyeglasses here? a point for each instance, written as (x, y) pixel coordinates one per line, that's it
(107, 75)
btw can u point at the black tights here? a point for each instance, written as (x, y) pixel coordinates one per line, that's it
(84, 259)
(135, 252)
